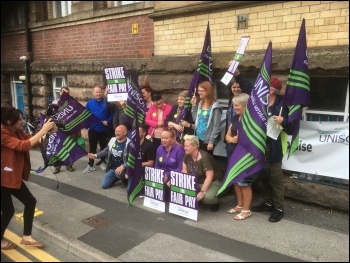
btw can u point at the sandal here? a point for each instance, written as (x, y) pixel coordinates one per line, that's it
(9, 246)
(241, 217)
(235, 210)
(32, 243)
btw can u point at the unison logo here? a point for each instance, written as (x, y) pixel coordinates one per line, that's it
(338, 135)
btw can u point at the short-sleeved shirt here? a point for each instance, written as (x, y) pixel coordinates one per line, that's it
(206, 163)
(116, 156)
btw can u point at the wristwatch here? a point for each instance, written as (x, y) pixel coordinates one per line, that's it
(203, 192)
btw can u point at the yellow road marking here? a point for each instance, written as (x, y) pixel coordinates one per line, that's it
(36, 252)
(19, 216)
(15, 255)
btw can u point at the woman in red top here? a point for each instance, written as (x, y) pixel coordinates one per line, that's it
(15, 169)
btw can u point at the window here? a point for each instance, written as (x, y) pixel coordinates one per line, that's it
(329, 99)
(57, 83)
(12, 14)
(120, 3)
(61, 8)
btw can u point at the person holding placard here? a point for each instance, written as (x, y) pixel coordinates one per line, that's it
(200, 163)
(169, 154)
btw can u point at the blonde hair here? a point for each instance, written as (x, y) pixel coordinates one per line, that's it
(193, 139)
(241, 99)
(183, 94)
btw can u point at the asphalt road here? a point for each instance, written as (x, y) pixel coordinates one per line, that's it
(98, 225)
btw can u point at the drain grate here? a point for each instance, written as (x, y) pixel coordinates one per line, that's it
(96, 221)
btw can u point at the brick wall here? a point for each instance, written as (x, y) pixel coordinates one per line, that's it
(101, 40)
(327, 24)
(12, 47)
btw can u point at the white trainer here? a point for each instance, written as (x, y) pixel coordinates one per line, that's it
(89, 169)
(103, 166)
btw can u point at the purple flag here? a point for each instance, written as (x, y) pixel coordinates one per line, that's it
(297, 93)
(135, 100)
(203, 72)
(74, 115)
(134, 164)
(249, 155)
(59, 149)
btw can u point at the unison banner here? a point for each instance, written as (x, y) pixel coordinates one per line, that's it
(323, 149)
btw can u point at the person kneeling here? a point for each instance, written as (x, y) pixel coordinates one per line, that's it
(116, 153)
(200, 163)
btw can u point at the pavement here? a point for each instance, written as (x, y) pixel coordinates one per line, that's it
(98, 225)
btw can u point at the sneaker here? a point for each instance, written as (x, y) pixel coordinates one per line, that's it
(70, 168)
(103, 166)
(89, 169)
(262, 208)
(215, 207)
(56, 171)
(276, 216)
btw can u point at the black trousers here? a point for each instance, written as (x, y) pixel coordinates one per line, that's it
(94, 138)
(7, 209)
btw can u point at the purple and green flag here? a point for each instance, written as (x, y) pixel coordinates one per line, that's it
(297, 93)
(74, 115)
(249, 156)
(204, 71)
(59, 149)
(135, 100)
(134, 163)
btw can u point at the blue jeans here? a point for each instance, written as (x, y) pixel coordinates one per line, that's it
(110, 178)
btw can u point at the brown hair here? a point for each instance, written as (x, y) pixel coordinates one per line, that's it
(146, 85)
(10, 114)
(208, 87)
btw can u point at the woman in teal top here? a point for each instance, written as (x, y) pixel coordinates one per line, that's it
(207, 116)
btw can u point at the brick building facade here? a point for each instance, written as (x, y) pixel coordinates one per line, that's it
(70, 42)
(170, 36)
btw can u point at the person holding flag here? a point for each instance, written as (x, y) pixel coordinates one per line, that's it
(273, 187)
(176, 119)
(15, 169)
(297, 95)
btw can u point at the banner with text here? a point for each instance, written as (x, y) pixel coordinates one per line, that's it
(323, 149)
(154, 189)
(183, 195)
(116, 83)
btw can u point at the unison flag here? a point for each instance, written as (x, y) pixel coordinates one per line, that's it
(59, 149)
(134, 101)
(297, 93)
(74, 115)
(204, 71)
(249, 155)
(134, 164)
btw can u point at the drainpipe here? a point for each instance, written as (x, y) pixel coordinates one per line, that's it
(28, 61)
